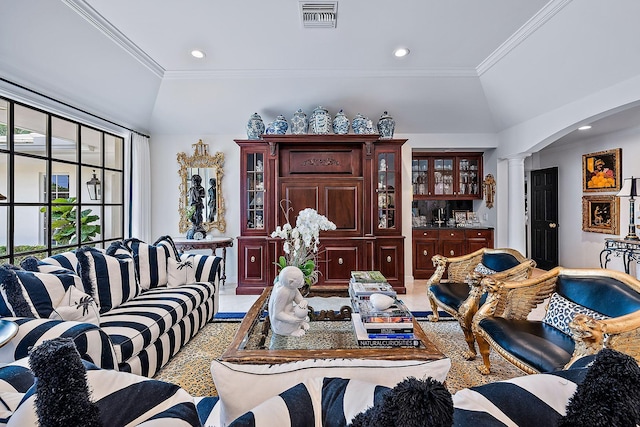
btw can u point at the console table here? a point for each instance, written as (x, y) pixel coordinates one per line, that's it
(629, 250)
(183, 244)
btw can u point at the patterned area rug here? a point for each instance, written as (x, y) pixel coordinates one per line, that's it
(191, 367)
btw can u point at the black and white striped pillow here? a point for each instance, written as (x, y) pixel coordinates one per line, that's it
(14, 299)
(47, 290)
(151, 261)
(332, 401)
(123, 399)
(111, 280)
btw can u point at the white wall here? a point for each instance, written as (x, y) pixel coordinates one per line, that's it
(580, 249)
(165, 181)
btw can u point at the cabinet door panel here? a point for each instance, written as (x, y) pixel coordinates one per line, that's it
(253, 256)
(422, 255)
(342, 207)
(339, 262)
(453, 248)
(389, 261)
(300, 197)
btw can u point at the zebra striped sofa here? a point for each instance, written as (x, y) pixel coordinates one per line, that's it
(130, 307)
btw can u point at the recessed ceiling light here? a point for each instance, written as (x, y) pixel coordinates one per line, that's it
(196, 53)
(400, 52)
(585, 127)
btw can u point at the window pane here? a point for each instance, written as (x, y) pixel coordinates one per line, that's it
(92, 185)
(28, 180)
(29, 131)
(112, 187)
(4, 227)
(4, 111)
(63, 181)
(113, 222)
(4, 178)
(113, 152)
(91, 146)
(64, 144)
(90, 219)
(26, 236)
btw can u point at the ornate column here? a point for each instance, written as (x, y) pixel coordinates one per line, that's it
(516, 236)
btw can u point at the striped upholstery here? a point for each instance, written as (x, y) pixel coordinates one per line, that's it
(138, 334)
(207, 267)
(328, 402)
(149, 361)
(151, 261)
(136, 324)
(67, 260)
(533, 400)
(46, 290)
(111, 280)
(91, 341)
(122, 398)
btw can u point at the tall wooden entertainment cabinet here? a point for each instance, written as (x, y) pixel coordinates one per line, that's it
(354, 180)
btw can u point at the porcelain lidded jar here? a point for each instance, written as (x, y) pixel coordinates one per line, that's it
(299, 123)
(255, 127)
(340, 124)
(320, 123)
(359, 124)
(280, 125)
(386, 125)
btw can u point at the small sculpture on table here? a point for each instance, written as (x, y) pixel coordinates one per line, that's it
(287, 308)
(196, 194)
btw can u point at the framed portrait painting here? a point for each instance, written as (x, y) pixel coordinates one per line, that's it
(600, 214)
(601, 171)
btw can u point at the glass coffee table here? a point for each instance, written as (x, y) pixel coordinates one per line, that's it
(330, 336)
(258, 365)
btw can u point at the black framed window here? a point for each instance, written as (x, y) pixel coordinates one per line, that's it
(61, 183)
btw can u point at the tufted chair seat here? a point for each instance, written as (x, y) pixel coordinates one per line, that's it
(588, 309)
(455, 285)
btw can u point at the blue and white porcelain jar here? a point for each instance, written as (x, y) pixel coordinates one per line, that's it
(386, 124)
(340, 124)
(280, 125)
(255, 127)
(359, 124)
(320, 122)
(299, 123)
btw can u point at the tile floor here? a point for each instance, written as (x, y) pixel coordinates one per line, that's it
(415, 298)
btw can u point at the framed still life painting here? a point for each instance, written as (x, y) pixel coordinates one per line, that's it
(601, 171)
(600, 214)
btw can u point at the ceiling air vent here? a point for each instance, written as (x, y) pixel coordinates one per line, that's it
(318, 14)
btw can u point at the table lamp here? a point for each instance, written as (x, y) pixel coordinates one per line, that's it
(629, 189)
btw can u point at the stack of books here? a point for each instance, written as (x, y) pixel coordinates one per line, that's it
(364, 283)
(392, 327)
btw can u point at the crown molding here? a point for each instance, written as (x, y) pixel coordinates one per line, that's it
(329, 73)
(94, 18)
(530, 27)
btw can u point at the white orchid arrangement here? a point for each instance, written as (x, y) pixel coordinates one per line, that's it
(302, 242)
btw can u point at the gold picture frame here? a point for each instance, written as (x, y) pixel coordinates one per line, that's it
(601, 214)
(601, 171)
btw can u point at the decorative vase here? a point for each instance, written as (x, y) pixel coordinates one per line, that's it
(320, 122)
(280, 125)
(359, 124)
(386, 125)
(340, 124)
(255, 127)
(270, 130)
(299, 123)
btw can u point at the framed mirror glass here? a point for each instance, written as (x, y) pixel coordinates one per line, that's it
(210, 170)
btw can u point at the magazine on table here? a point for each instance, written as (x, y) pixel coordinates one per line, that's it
(372, 276)
(397, 313)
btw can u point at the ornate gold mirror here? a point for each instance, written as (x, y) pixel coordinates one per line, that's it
(205, 210)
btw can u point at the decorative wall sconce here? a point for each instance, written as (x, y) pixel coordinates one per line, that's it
(489, 189)
(95, 187)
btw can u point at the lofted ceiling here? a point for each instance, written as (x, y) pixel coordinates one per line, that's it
(474, 67)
